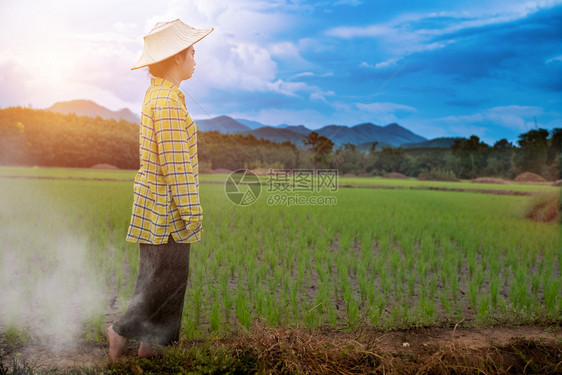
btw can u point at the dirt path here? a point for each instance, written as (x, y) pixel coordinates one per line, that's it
(410, 345)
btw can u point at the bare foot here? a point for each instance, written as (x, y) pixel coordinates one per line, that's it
(147, 350)
(116, 344)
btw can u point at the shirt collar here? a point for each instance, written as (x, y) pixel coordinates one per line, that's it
(158, 81)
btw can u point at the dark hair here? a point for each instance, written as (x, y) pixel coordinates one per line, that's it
(160, 68)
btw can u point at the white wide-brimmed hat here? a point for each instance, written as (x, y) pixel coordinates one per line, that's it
(166, 39)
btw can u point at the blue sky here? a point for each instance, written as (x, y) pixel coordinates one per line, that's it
(439, 68)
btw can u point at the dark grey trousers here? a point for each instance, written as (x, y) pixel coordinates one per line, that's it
(155, 311)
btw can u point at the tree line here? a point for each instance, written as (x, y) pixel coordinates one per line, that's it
(538, 151)
(42, 138)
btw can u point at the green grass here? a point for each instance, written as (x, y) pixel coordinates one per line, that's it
(392, 258)
(411, 183)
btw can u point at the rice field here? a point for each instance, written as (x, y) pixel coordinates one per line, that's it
(386, 258)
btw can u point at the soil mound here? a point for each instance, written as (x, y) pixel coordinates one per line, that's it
(490, 180)
(103, 166)
(349, 175)
(395, 175)
(364, 175)
(530, 177)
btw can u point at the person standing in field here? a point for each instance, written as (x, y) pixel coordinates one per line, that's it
(166, 215)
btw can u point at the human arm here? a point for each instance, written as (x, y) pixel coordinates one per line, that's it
(174, 145)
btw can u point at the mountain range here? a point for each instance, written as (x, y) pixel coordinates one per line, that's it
(389, 135)
(360, 135)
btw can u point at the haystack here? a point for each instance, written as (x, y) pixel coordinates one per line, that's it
(530, 177)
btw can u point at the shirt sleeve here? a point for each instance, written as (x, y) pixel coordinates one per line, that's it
(173, 143)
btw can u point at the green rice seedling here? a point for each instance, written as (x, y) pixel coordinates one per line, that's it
(364, 284)
(551, 291)
(294, 298)
(423, 269)
(273, 314)
(433, 285)
(394, 262)
(216, 317)
(197, 300)
(518, 288)
(94, 329)
(473, 294)
(381, 301)
(402, 279)
(301, 272)
(494, 290)
(471, 261)
(385, 281)
(427, 308)
(384, 247)
(411, 283)
(242, 309)
(352, 309)
(535, 284)
(190, 329)
(445, 302)
(494, 264)
(332, 316)
(479, 276)
(483, 308)
(16, 336)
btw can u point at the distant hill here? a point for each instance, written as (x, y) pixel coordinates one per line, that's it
(444, 142)
(222, 124)
(92, 109)
(300, 129)
(392, 134)
(389, 135)
(250, 124)
(278, 135)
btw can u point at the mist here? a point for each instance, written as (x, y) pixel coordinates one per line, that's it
(49, 288)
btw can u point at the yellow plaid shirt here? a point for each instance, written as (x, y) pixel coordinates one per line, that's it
(166, 189)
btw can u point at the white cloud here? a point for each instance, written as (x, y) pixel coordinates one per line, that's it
(348, 32)
(377, 113)
(385, 107)
(311, 74)
(382, 64)
(289, 53)
(238, 54)
(514, 117)
(402, 35)
(553, 59)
